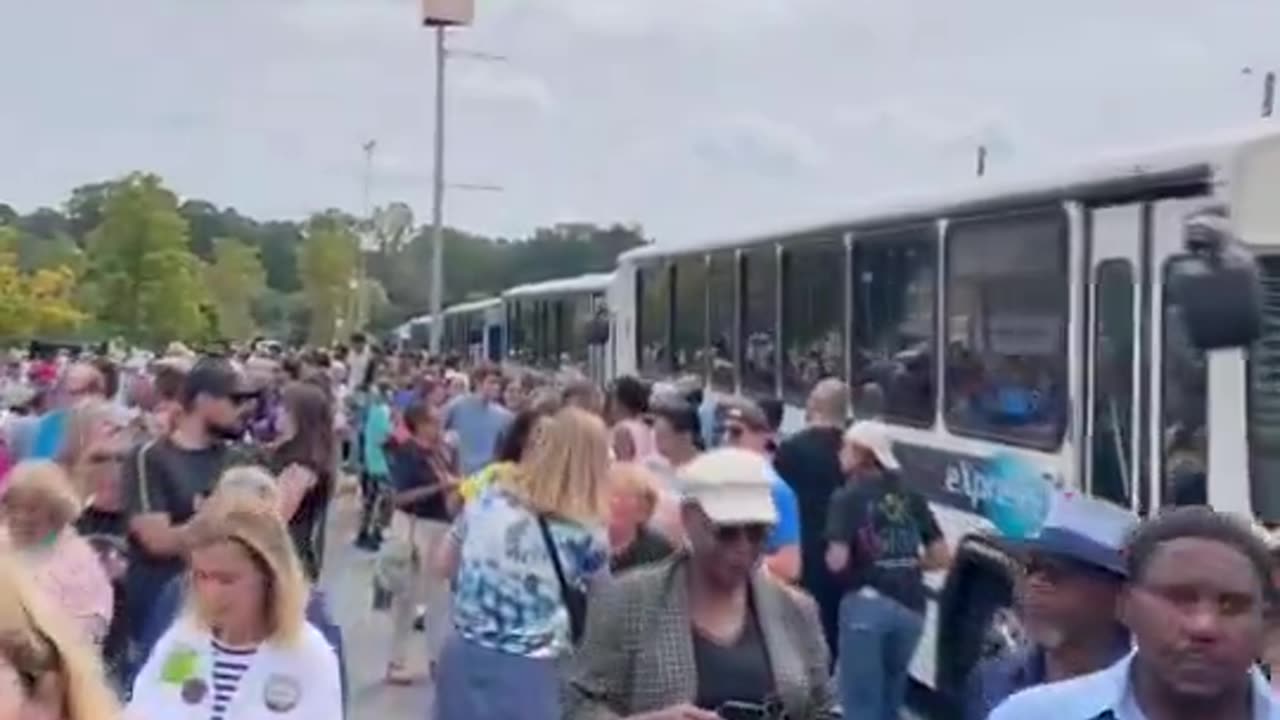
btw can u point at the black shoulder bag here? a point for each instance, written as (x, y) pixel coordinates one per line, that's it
(575, 601)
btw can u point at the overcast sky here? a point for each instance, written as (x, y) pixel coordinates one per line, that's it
(693, 117)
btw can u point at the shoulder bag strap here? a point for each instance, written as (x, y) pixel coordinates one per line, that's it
(143, 486)
(555, 558)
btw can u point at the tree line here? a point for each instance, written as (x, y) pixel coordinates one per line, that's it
(130, 258)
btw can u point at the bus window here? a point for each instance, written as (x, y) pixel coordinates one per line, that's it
(1113, 475)
(759, 320)
(894, 281)
(1264, 392)
(722, 303)
(1007, 309)
(652, 297)
(1184, 416)
(690, 316)
(813, 315)
(577, 314)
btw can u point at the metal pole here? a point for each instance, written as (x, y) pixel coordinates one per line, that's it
(1269, 94)
(362, 269)
(982, 160)
(437, 201)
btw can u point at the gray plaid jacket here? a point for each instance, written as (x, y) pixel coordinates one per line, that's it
(637, 653)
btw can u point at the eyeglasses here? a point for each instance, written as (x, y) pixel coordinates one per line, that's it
(105, 458)
(754, 533)
(1057, 570)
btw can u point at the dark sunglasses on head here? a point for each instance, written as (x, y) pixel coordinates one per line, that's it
(754, 533)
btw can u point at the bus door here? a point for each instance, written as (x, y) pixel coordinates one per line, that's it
(1115, 348)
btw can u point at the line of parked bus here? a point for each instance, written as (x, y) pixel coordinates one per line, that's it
(1114, 329)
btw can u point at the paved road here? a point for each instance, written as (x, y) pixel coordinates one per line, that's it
(367, 634)
(347, 580)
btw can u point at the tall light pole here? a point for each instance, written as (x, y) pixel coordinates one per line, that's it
(361, 265)
(437, 199)
(1268, 90)
(1269, 94)
(438, 15)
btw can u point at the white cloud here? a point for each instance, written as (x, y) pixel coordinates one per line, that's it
(694, 118)
(755, 144)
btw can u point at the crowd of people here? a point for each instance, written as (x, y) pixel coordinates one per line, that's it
(551, 549)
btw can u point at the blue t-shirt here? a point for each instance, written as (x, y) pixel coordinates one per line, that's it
(506, 596)
(787, 531)
(479, 424)
(49, 435)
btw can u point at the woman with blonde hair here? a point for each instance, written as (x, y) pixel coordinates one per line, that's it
(250, 484)
(523, 555)
(40, 509)
(242, 649)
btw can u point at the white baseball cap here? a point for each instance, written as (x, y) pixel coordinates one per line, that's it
(871, 435)
(731, 486)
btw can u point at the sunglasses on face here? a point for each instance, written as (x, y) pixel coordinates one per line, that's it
(106, 457)
(753, 533)
(1058, 570)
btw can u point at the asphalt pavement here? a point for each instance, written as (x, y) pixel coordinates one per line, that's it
(347, 580)
(367, 634)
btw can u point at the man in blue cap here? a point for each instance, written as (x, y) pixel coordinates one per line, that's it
(1073, 576)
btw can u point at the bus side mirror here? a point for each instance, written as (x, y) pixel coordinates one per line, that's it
(597, 330)
(1216, 286)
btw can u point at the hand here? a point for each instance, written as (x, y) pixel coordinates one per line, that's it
(683, 711)
(297, 478)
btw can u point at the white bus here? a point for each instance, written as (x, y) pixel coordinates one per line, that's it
(1014, 337)
(475, 330)
(552, 324)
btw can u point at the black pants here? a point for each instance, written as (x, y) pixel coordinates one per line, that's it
(375, 511)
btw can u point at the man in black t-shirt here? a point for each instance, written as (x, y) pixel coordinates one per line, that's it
(167, 476)
(881, 537)
(809, 460)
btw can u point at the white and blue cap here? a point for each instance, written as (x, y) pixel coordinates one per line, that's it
(1084, 529)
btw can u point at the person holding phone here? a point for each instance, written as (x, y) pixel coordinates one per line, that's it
(708, 634)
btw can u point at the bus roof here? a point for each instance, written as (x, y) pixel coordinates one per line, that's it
(589, 283)
(1113, 174)
(472, 306)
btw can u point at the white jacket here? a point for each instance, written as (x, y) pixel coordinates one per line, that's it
(283, 682)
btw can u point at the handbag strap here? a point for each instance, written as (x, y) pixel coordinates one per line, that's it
(555, 559)
(143, 486)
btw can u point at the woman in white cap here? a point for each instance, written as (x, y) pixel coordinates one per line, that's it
(708, 634)
(881, 538)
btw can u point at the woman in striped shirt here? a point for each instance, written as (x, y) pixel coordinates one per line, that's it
(242, 649)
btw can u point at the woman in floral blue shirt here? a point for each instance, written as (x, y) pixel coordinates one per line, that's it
(510, 616)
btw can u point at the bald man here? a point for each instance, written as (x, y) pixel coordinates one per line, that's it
(81, 381)
(810, 462)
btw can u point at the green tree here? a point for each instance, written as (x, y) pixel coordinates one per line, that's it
(142, 278)
(235, 280)
(327, 266)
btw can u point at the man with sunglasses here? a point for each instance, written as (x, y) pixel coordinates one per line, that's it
(747, 427)
(1073, 574)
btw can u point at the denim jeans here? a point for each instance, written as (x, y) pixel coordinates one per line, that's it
(878, 637)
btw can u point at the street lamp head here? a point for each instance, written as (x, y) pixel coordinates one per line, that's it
(448, 13)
